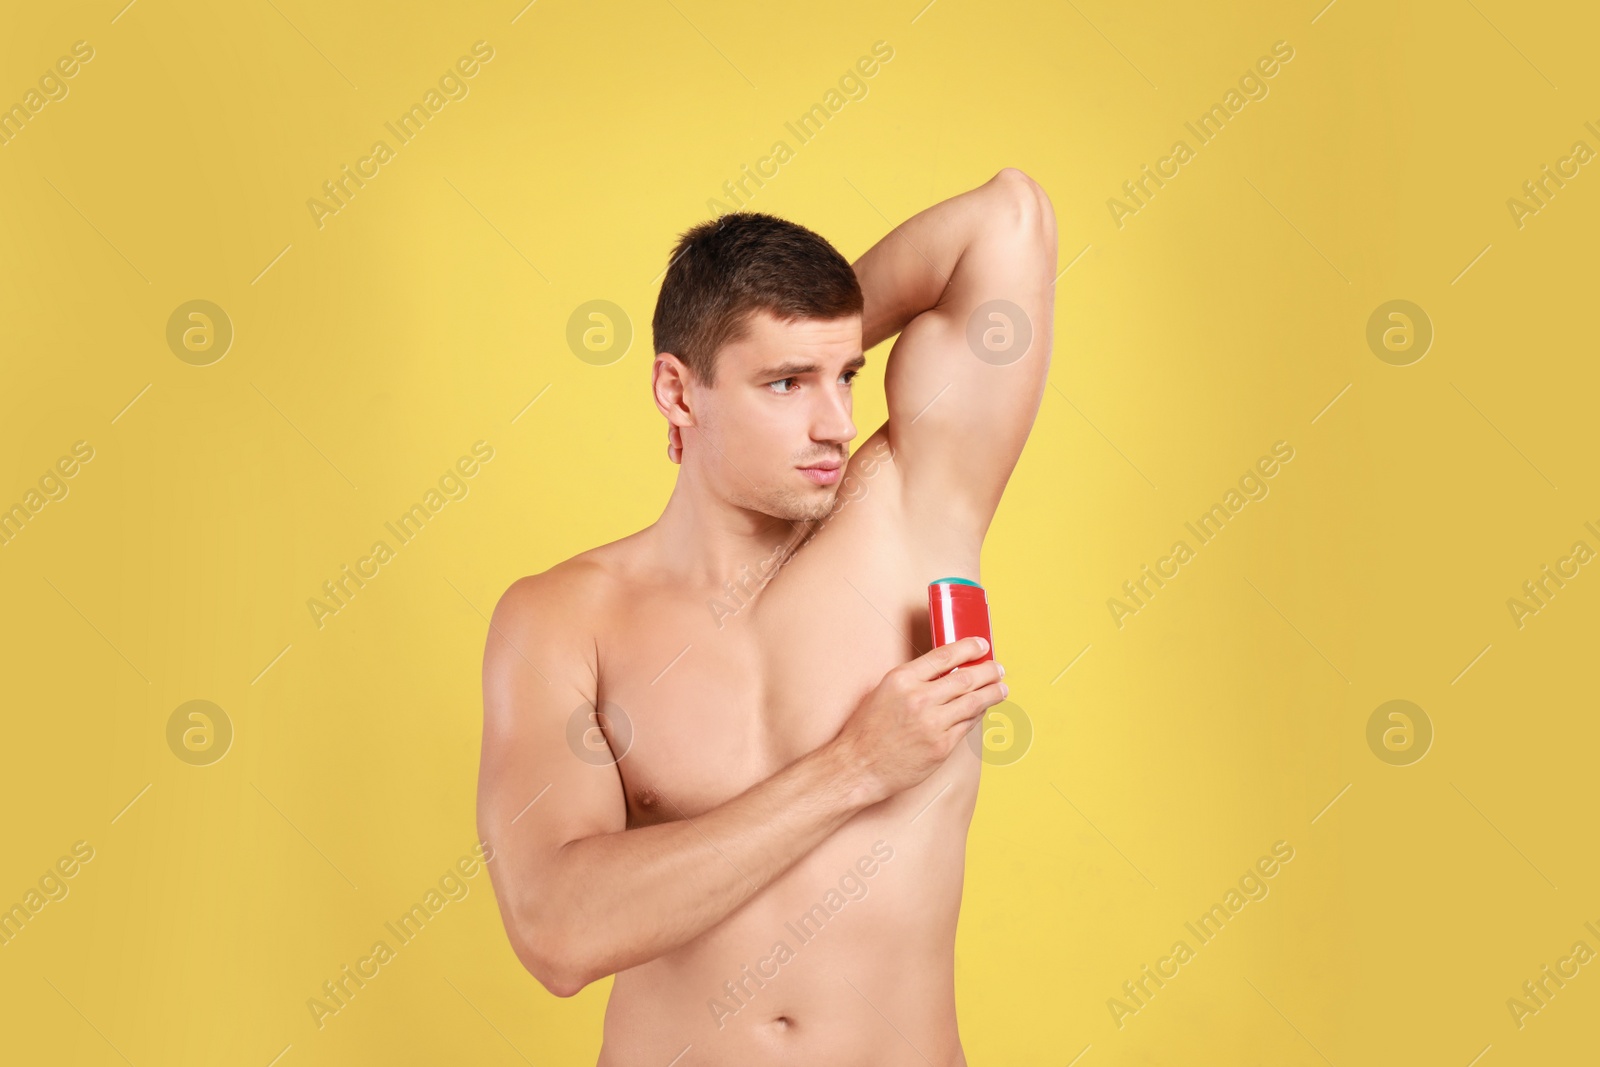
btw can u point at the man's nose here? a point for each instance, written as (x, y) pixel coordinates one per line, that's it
(832, 422)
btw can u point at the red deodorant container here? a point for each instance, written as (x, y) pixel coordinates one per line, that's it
(957, 608)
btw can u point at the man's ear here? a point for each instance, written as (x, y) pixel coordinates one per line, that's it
(672, 389)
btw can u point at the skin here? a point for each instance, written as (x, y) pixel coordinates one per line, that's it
(699, 735)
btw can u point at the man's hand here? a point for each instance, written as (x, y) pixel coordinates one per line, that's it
(909, 724)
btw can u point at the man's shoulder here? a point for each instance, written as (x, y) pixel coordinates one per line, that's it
(571, 599)
(561, 599)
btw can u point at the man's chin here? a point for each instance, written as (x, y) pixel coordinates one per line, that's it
(809, 508)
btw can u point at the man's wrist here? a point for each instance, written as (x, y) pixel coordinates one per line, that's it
(854, 776)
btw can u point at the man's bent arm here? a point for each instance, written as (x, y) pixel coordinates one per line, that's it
(968, 284)
(581, 896)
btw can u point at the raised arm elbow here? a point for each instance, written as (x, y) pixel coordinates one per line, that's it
(1024, 206)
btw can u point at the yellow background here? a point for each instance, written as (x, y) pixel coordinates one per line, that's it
(1223, 317)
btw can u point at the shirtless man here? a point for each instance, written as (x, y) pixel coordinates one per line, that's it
(719, 761)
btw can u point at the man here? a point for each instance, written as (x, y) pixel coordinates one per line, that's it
(718, 760)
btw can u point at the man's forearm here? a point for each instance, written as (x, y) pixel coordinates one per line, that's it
(622, 899)
(906, 272)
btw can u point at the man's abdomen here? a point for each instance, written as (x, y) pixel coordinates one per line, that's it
(845, 959)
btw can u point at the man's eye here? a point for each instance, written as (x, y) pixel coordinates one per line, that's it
(785, 381)
(849, 376)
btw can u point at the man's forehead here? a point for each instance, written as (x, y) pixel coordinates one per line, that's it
(768, 339)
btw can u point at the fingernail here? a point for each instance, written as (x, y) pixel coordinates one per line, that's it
(1002, 667)
(983, 646)
(1005, 690)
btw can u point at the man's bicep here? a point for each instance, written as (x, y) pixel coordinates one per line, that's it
(964, 379)
(545, 777)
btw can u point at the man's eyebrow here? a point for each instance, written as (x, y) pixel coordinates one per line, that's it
(795, 368)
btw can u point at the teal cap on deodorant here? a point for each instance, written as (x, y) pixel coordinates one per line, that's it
(956, 581)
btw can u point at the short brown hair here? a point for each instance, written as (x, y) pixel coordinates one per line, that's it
(727, 268)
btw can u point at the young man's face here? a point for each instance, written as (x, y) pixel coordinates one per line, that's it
(782, 403)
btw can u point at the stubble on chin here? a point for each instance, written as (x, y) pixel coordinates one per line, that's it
(794, 507)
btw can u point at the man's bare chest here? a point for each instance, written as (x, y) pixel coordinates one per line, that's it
(721, 693)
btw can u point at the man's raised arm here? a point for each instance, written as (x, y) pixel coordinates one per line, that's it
(969, 286)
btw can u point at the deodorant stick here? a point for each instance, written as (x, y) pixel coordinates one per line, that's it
(957, 608)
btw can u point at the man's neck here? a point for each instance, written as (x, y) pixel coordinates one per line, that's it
(703, 540)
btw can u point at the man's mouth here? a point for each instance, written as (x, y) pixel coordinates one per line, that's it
(824, 473)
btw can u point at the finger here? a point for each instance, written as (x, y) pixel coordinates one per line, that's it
(970, 708)
(931, 665)
(963, 680)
